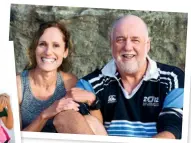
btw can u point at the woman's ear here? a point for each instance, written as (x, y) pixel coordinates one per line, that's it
(65, 53)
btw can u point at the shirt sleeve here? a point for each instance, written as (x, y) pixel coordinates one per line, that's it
(83, 84)
(170, 118)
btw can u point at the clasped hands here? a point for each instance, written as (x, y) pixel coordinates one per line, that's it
(69, 102)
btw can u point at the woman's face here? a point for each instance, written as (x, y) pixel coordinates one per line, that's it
(50, 50)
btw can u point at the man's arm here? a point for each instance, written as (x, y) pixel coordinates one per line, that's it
(97, 114)
(169, 123)
(95, 121)
(165, 134)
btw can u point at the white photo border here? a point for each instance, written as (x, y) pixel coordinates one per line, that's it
(160, 5)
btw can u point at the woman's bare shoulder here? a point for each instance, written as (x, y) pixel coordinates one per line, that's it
(69, 80)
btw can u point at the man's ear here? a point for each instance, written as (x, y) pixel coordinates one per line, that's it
(148, 44)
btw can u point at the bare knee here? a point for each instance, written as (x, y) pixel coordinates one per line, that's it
(71, 122)
(62, 118)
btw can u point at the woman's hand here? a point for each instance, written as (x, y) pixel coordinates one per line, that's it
(4, 101)
(58, 106)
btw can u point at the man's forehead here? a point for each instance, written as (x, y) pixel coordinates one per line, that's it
(130, 25)
(129, 32)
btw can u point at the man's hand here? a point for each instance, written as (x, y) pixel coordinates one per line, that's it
(80, 95)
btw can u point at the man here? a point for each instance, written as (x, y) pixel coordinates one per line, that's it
(136, 95)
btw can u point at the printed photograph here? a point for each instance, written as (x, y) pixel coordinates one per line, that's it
(6, 116)
(93, 71)
(9, 121)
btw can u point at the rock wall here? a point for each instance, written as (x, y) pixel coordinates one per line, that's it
(90, 28)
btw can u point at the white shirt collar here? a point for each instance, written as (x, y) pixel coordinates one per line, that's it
(152, 73)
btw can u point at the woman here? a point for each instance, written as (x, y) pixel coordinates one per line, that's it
(6, 116)
(42, 86)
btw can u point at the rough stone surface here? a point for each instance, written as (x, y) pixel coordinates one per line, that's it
(90, 27)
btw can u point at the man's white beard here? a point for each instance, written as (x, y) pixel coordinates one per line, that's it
(128, 67)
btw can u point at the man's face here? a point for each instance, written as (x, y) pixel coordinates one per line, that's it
(130, 45)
